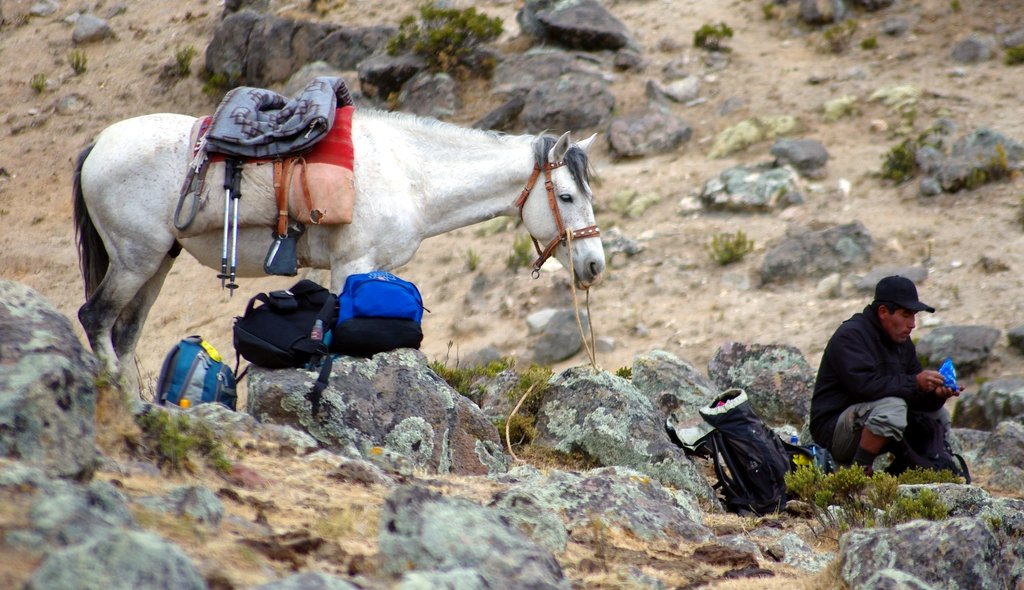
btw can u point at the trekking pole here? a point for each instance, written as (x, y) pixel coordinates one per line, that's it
(236, 194)
(229, 172)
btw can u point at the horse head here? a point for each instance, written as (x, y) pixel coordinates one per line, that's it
(560, 211)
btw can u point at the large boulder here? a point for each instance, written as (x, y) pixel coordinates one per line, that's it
(817, 253)
(995, 401)
(954, 553)
(392, 400)
(776, 377)
(623, 499)
(676, 388)
(47, 387)
(608, 420)
(423, 531)
(968, 346)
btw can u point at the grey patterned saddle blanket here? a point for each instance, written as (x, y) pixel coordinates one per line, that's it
(260, 123)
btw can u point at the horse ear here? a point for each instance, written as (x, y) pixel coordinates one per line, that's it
(557, 151)
(586, 143)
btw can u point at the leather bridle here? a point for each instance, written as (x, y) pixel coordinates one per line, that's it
(591, 231)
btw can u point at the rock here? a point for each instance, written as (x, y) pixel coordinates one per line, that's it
(90, 29)
(117, 559)
(422, 530)
(608, 420)
(430, 95)
(749, 189)
(503, 117)
(621, 499)
(676, 387)
(822, 12)
(975, 48)
(995, 401)
(817, 253)
(195, 502)
(751, 131)
(392, 400)
(655, 131)
(808, 156)
(778, 380)
(48, 384)
(1015, 336)
(573, 101)
(952, 553)
(380, 76)
(838, 108)
(1003, 456)
(584, 24)
(559, 336)
(968, 346)
(894, 26)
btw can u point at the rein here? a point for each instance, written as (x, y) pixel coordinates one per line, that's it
(591, 231)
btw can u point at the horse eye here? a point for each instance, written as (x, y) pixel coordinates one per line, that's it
(565, 197)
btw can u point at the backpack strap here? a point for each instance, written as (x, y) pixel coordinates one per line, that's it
(322, 355)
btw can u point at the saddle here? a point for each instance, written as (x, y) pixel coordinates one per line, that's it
(310, 174)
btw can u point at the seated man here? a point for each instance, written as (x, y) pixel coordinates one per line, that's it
(870, 384)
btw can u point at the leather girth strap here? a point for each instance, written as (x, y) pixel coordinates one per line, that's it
(281, 195)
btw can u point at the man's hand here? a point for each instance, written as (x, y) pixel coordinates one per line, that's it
(934, 382)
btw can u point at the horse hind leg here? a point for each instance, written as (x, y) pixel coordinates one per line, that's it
(128, 327)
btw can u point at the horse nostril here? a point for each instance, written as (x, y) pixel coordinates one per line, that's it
(596, 268)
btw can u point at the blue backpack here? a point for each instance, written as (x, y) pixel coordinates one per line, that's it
(193, 373)
(377, 312)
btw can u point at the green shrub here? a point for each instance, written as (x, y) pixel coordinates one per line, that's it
(78, 61)
(171, 439)
(869, 43)
(522, 252)
(466, 380)
(849, 499)
(38, 83)
(726, 248)
(838, 37)
(447, 38)
(900, 163)
(955, 5)
(624, 372)
(1014, 56)
(215, 85)
(710, 37)
(472, 259)
(183, 61)
(768, 10)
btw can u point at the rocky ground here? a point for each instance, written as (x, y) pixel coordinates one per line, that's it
(671, 296)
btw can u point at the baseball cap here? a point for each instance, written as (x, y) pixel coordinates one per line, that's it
(902, 292)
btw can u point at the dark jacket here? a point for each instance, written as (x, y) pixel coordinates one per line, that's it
(861, 363)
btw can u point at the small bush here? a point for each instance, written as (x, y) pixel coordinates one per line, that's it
(78, 61)
(869, 44)
(900, 163)
(38, 83)
(726, 248)
(522, 252)
(466, 380)
(710, 37)
(955, 5)
(624, 372)
(171, 439)
(447, 38)
(838, 37)
(768, 10)
(216, 85)
(472, 259)
(849, 499)
(183, 61)
(1014, 56)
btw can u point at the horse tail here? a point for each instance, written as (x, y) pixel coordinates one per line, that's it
(93, 259)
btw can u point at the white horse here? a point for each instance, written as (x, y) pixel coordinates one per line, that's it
(414, 178)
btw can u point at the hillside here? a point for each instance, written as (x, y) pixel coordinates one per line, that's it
(671, 296)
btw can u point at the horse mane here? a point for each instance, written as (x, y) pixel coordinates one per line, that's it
(575, 158)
